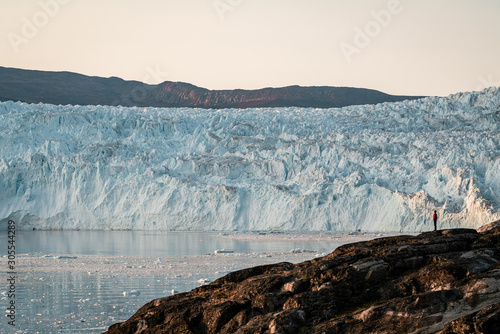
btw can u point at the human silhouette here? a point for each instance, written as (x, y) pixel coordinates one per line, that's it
(435, 219)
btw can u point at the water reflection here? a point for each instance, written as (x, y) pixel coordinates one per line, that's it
(146, 243)
(77, 302)
(62, 301)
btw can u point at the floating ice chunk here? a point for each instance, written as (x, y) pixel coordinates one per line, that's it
(223, 251)
(203, 281)
(82, 300)
(301, 250)
(131, 293)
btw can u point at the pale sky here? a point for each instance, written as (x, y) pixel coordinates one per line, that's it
(419, 47)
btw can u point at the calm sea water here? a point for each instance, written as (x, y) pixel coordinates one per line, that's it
(145, 243)
(65, 301)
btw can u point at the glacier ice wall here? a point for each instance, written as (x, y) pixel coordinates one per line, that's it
(375, 168)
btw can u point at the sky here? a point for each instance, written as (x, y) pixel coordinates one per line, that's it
(402, 47)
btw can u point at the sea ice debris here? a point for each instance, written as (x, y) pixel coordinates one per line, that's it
(223, 251)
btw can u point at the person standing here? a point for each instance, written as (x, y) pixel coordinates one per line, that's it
(435, 219)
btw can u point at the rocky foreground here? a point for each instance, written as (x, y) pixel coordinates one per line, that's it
(437, 282)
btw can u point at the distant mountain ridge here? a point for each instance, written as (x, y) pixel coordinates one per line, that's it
(71, 88)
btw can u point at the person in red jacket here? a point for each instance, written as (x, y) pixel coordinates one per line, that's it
(435, 219)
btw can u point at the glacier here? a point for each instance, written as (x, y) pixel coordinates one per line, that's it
(382, 167)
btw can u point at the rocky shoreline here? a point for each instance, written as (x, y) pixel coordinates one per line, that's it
(446, 281)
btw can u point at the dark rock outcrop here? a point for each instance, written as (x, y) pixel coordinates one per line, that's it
(445, 281)
(71, 88)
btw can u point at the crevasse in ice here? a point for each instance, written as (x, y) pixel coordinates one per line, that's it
(378, 167)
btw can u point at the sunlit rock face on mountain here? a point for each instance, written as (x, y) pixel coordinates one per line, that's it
(381, 167)
(72, 88)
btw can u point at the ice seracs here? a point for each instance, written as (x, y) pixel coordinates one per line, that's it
(371, 168)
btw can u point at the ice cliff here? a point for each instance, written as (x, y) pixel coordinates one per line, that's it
(378, 167)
